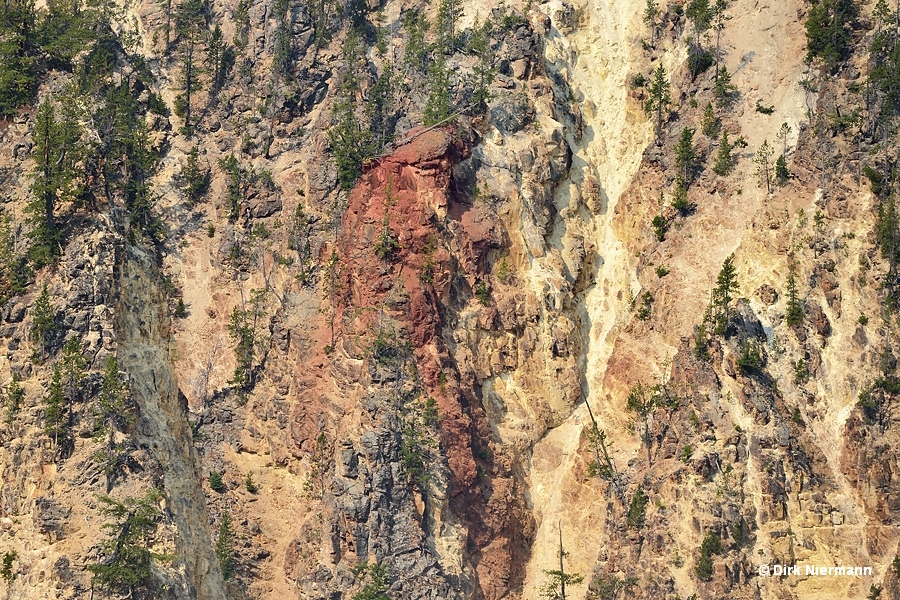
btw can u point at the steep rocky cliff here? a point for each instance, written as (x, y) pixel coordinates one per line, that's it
(361, 300)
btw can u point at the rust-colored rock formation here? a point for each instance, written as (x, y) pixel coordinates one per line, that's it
(440, 241)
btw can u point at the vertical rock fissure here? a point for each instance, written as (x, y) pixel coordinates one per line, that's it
(143, 331)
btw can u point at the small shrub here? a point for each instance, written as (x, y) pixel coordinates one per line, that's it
(210, 230)
(645, 308)
(660, 226)
(386, 244)
(503, 270)
(6, 571)
(216, 482)
(180, 309)
(876, 180)
(685, 454)
(157, 106)
(766, 110)
(737, 533)
(249, 484)
(801, 372)
(662, 271)
(680, 200)
(638, 80)
(483, 293)
(863, 320)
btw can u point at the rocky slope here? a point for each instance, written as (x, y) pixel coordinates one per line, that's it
(435, 349)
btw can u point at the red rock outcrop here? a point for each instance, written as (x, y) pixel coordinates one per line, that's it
(440, 243)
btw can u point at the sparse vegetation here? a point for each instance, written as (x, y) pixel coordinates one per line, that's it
(6, 569)
(216, 482)
(660, 226)
(483, 292)
(645, 306)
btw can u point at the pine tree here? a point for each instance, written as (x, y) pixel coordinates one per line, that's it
(195, 179)
(14, 397)
(115, 407)
(709, 124)
(417, 51)
(438, 106)
(480, 46)
(73, 366)
(348, 141)
(14, 270)
(242, 327)
(377, 582)
(651, 12)
(763, 160)
(724, 160)
(43, 324)
(726, 285)
(56, 151)
(659, 98)
(642, 401)
(241, 330)
(558, 579)
(781, 171)
(225, 546)
(637, 509)
(125, 566)
(828, 35)
(189, 27)
(685, 157)
(680, 200)
(449, 13)
(17, 81)
(219, 56)
(700, 14)
(724, 90)
(793, 314)
(887, 233)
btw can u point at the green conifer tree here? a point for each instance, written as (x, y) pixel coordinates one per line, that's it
(793, 314)
(14, 397)
(56, 151)
(724, 161)
(726, 285)
(659, 98)
(763, 162)
(685, 157)
(438, 106)
(225, 546)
